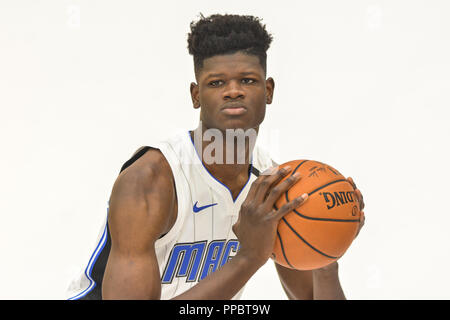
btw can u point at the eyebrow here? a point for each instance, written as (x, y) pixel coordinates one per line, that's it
(214, 75)
(218, 75)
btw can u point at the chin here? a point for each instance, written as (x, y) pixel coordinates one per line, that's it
(235, 125)
(232, 124)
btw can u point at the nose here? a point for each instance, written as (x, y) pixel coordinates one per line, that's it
(233, 90)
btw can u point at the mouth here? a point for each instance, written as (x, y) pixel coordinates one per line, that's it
(234, 109)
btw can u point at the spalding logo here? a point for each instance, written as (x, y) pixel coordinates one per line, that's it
(337, 198)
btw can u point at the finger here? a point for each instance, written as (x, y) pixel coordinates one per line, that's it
(281, 188)
(255, 185)
(269, 181)
(272, 170)
(291, 205)
(360, 198)
(349, 179)
(362, 220)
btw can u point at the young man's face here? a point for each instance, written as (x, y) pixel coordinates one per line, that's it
(232, 92)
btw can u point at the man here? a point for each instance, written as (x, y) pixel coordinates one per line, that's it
(186, 222)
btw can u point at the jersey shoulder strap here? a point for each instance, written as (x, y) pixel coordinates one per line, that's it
(136, 156)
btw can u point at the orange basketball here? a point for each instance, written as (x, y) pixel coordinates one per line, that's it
(320, 230)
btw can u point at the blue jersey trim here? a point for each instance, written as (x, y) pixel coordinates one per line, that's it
(91, 264)
(251, 166)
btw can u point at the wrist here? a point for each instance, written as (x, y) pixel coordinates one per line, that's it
(330, 270)
(249, 261)
(326, 284)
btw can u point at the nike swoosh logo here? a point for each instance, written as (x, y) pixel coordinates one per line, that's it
(198, 209)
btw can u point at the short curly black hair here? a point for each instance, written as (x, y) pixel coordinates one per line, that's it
(220, 34)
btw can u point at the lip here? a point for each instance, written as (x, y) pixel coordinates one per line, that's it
(234, 109)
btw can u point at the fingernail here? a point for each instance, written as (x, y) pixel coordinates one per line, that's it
(296, 175)
(303, 196)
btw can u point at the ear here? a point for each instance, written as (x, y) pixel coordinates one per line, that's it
(270, 87)
(195, 95)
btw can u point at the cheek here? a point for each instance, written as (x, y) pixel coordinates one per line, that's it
(261, 114)
(260, 105)
(208, 115)
(207, 103)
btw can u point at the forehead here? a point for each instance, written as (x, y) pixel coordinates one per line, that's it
(231, 63)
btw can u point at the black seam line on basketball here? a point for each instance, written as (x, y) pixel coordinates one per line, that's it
(282, 250)
(306, 242)
(318, 219)
(296, 168)
(321, 219)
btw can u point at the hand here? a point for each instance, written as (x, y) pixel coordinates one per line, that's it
(332, 268)
(258, 221)
(360, 199)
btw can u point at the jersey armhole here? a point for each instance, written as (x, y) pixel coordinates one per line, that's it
(180, 186)
(136, 156)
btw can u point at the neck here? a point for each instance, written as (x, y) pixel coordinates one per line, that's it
(226, 154)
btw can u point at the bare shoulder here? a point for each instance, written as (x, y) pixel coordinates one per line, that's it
(147, 172)
(143, 200)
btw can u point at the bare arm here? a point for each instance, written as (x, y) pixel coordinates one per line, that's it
(140, 213)
(326, 283)
(298, 285)
(320, 284)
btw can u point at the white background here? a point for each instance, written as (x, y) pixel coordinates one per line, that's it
(362, 85)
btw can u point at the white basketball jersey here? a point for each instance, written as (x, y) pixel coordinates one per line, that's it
(200, 241)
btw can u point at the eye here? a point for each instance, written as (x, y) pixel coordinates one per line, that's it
(248, 81)
(215, 83)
